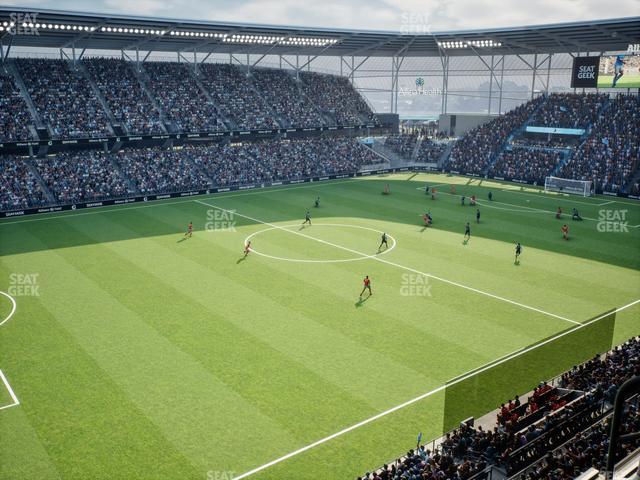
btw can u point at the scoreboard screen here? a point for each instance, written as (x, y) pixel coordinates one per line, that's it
(608, 71)
(619, 71)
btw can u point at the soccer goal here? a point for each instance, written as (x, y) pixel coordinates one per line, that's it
(566, 185)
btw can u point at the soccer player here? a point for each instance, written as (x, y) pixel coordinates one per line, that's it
(565, 232)
(189, 230)
(467, 231)
(518, 251)
(307, 218)
(383, 242)
(559, 213)
(247, 249)
(575, 215)
(367, 286)
(452, 189)
(433, 193)
(490, 195)
(618, 68)
(477, 215)
(317, 202)
(425, 219)
(473, 200)
(462, 200)
(386, 190)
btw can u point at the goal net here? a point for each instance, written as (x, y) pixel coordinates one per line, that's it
(566, 185)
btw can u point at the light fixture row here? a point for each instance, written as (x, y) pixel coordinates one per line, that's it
(472, 43)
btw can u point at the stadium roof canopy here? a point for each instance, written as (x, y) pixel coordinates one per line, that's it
(61, 29)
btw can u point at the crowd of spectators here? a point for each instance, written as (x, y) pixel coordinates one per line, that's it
(474, 152)
(161, 170)
(81, 177)
(337, 96)
(14, 114)
(235, 96)
(468, 450)
(19, 188)
(267, 161)
(587, 450)
(611, 154)
(402, 143)
(528, 164)
(605, 373)
(569, 110)
(63, 98)
(124, 95)
(430, 151)
(181, 99)
(282, 93)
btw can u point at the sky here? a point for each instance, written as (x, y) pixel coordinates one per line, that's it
(419, 16)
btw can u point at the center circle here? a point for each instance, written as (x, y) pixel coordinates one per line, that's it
(359, 256)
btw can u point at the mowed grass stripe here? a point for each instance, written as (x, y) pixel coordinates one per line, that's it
(239, 358)
(347, 363)
(172, 389)
(73, 420)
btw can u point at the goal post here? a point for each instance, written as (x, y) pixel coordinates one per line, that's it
(567, 185)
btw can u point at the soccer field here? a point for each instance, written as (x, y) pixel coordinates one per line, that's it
(137, 353)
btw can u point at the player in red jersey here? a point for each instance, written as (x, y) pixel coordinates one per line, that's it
(247, 248)
(565, 232)
(367, 286)
(189, 230)
(433, 193)
(559, 213)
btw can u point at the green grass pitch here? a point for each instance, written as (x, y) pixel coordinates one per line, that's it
(627, 81)
(145, 355)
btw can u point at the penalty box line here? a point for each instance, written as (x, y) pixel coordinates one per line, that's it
(397, 265)
(454, 381)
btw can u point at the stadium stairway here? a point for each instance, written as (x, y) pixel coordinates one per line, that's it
(34, 171)
(13, 71)
(278, 119)
(416, 149)
(81, 70)
(319, 111)
(229, 123)
(395, 159)
(445, 155)
(131, 184)
(166, 125)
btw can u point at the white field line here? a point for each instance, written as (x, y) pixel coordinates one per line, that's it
(13, 307)
(159, 203)
(452, 382)
(2, 377)
(527, 209)
(555, 196)
(397, 265)
(16, 402)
